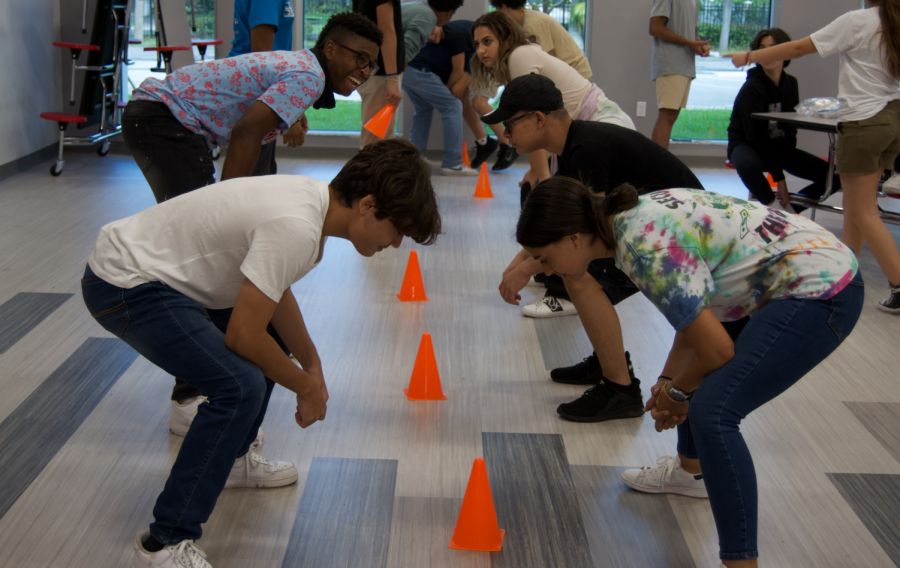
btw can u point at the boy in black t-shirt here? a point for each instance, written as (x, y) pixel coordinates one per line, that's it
(603, 156)
(437, 79)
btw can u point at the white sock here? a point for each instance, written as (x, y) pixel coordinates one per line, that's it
(482, 142)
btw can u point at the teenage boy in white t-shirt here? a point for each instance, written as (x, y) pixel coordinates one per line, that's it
(200, 285)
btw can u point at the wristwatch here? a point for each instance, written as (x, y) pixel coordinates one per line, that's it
(679, 395)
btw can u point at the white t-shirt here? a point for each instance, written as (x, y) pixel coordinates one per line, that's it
(864, 84)
(527, 59)
(203, 243)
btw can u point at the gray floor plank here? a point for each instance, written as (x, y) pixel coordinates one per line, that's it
(875, 498)
(626, 528)
(536, 502)
(33, 433)
(344, 518)
(881, 420)
(23, 312)
(563, 341)
(421, 531)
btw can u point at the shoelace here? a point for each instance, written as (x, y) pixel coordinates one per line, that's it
(270, 466)
(667, 464)
(190, 555)
(551, 302)
(597, 391)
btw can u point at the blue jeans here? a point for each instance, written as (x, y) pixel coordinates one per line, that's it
(182, 337)
(427, 94)
(780, 344)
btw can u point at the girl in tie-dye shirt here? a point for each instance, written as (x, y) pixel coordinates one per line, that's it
(791, 288)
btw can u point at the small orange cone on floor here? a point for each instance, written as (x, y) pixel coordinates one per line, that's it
(476, 527)
(465, 155)
(425, 383)
(483, 189)
(412, 289)
(378, 124)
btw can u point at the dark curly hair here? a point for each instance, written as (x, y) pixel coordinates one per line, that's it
(511, 4)
(778, 34)
(445, 5)
(394, 172)
(344, 24)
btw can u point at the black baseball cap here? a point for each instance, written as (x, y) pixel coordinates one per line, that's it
(529, 93)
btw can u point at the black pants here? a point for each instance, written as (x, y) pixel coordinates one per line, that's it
(802, 164)
(175, 161)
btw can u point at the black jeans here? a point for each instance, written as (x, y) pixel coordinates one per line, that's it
(749, 166)
(175, 161)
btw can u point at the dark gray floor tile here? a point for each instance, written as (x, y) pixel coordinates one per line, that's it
(882, 420)
(536, 502)
(626, 528)
(344, 518)
(563, 341)
(35, 431)
(23, 312)
(875, 498)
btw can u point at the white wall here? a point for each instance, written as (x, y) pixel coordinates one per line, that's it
(32, 76)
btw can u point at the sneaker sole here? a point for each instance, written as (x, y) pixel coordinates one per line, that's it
(627, 412)
(582, 382)
(886, 309)
(264, 484)
(684, 491)
(550, 315)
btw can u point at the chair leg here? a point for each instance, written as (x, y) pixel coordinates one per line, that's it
(57, 167)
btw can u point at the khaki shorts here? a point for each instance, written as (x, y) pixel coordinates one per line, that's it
(672, 91)
(868, 146)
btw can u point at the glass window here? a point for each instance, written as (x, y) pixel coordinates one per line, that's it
(731, 25)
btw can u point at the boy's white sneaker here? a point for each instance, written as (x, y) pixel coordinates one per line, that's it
(181, 416)
(549, 307)
(666, 477)
(459, 170)
(253, 470)
(185, 554)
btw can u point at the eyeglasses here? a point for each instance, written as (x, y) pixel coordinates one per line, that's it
(362, 60)
(508, 123)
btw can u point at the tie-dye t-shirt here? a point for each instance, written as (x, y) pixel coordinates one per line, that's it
(687, 250)
(209, 98)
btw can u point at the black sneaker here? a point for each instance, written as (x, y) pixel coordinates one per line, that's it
(588, 372)
(605, 401)
(506, 156)
(484, 151)
(892, 304)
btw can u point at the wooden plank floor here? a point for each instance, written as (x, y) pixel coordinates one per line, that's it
(87, 499)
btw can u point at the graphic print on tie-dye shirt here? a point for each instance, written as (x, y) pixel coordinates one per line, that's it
(687, 250)
(209, 98)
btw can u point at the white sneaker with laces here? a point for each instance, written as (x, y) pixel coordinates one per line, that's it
(185, 554)
(666, 477)
(549, 307)
(458, 171)
(253, 470)
(892, 186)
(181, 416)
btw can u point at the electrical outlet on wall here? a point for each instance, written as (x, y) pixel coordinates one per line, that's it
(642, 108)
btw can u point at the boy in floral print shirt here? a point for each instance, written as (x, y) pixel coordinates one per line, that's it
(170, 124)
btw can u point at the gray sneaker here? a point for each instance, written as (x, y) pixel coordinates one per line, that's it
(458, 171)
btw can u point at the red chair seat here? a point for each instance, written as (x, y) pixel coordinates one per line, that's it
(206, 42)
(135, 41)
(121, 104)
(77, 46)
(63, 117)
(729, 165)
(168, 48)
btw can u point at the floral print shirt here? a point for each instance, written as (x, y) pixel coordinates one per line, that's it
(688, 250)
(209, 98)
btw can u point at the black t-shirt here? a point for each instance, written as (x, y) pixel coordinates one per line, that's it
(368, 9)
(604, 156)
(437, 58)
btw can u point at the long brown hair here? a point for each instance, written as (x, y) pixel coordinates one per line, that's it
(509, 36)
(889, 11)
(561, 206)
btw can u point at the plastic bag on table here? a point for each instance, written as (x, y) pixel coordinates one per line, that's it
(821, 107)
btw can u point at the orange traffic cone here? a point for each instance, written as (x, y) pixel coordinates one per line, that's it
(772, 183)
(412, 289)
(465, 155)
(476, 527)
(483, 189)
(378, 124)
(425, 383)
